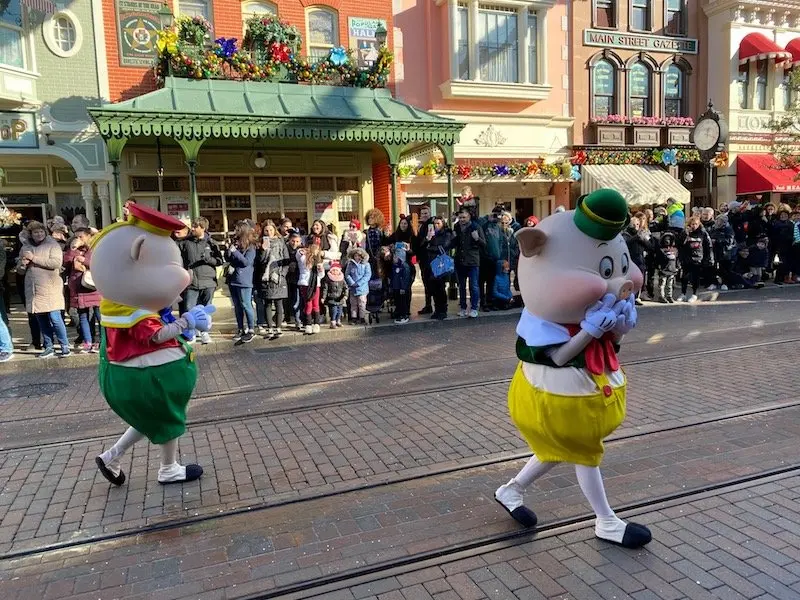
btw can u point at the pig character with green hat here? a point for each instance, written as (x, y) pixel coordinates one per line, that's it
(568, 393)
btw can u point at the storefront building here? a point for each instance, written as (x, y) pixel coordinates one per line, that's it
(638, 87)
(501, 68)
(52, 161)
(305, 143)
(751, 89)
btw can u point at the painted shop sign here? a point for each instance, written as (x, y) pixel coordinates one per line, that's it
(362, 39)
(138, 23)
(18, 130)
(635, 41)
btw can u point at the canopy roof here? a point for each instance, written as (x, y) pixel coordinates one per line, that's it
(638, 184)
(198, 109)
(761, 173)
(757, 46)
(794, 48)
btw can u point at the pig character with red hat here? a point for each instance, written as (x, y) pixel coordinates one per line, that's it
(147, 370)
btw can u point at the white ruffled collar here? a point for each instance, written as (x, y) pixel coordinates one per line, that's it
(538, 332)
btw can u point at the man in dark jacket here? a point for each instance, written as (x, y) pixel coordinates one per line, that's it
(417, 242)
(201, 257)
(468, 242)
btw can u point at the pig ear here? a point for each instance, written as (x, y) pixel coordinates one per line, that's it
(531, 241)
(136, 247)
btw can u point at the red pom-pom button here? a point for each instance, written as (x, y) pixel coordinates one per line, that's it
(607, 391)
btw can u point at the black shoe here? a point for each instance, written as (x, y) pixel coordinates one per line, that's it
(671, 300)
(105, 472)
(193, 472)
(425, 311)
(247, 337)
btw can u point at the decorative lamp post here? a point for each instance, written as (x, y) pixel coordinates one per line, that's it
(380, 34)
(166, 18)
(709, 137)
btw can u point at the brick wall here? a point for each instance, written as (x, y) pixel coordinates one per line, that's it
(381, 190)
(129, 82)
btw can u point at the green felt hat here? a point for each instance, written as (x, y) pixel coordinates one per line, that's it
(602, 215)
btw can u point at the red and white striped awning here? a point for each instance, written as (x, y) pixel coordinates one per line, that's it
(793, 47)
(757, 46)
(42, 6)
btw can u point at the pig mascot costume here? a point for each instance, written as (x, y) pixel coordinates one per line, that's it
(147, 370)
(568, 393)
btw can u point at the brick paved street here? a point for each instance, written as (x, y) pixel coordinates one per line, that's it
(325, 457)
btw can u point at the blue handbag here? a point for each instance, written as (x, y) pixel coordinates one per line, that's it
(442, 265)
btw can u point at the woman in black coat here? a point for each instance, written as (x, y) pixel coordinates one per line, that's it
(637, 237)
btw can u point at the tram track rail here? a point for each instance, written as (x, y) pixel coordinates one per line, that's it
(353, 400)
(254, 508)
(318, 586)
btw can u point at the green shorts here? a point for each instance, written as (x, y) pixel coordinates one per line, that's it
(152, 400)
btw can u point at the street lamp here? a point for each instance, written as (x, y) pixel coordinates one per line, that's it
(165, 16)
(260, 162)
(380, 34)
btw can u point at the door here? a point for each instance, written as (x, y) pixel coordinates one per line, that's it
(523, 208)
(543, 204)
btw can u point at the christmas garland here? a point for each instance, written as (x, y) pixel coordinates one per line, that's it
(271, 56)
(665, 156)
(563, 170)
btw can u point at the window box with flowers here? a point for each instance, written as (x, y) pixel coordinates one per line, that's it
(678, 131)
(609, 130)
(645, 131)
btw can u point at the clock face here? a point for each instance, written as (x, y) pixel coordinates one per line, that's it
(706, 134)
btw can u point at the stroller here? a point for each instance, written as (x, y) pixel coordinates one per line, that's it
(375, 298)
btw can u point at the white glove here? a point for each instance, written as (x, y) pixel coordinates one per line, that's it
(627, 317)
(600, 318)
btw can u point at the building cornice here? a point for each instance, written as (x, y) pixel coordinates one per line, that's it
(506, 119)
(769, 13)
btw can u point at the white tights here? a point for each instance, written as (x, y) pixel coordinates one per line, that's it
(170, 469)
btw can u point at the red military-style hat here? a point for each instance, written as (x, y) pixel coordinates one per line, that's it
(140, 215)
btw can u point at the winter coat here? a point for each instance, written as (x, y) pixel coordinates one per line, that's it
(79, 296)
(270, 269)
(696, 248)
(374, 239)
(401, 276)
(780, 236)
(758, 257)
(638, 242)
(305, 276)
(357, 276)
(418, 242)
(292, 270)
(468, 250)
(44, 289)
(334, 293)
(438, 244)
(346, 244)
(242, 263)
(724, 243)
(201, 258)
(491, 231)
(3, 258)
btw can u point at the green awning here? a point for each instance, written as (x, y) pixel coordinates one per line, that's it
(201, 109)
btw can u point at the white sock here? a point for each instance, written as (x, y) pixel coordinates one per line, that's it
(607, 525)
(170, 470)
(112, 455)
(510, 495)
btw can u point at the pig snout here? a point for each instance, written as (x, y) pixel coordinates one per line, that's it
(621, 288)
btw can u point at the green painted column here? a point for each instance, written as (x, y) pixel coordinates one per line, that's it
(191, 149)
(395, 214)
(451, 206)
(114, 147)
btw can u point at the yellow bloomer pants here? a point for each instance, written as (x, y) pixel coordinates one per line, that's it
(561, 428)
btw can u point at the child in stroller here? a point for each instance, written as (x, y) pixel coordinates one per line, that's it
(379, 284)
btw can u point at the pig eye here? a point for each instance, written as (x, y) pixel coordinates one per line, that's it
(606, 267)
(625, 263)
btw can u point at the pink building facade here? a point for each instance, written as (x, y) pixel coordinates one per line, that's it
(501, 67)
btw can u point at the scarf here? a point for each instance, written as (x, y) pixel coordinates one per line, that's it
(119, 316)
(599, 355)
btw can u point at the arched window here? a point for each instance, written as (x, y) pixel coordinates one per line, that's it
(604, 89)
(639, 97)
(258, 9)
(323, 32)
(761, 85)
(674, 90)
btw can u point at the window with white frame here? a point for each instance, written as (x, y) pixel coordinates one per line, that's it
(640, 15)
(63, 34)
(786, 90)
(323, 32)
(12, 48)
(605, 13)
(504, 40)
(761, 85)
(196, 8)
(258, 9)
(743, 85)
(675, 18)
